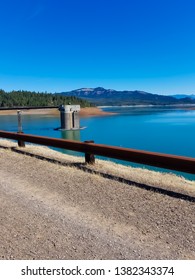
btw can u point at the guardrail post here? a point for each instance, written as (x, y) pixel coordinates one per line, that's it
(89, 158)
(20, 142)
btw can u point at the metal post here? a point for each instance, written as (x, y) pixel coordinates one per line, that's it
(20, 142)
(19, 121)
(89, 158)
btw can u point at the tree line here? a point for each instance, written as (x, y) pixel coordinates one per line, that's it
(32, 98)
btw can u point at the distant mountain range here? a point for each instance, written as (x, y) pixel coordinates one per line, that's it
(102, 96)
(180, 96)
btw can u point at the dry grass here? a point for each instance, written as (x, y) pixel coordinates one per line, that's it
(68, 210)
(168, 181)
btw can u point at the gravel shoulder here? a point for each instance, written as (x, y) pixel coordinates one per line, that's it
(55, 207)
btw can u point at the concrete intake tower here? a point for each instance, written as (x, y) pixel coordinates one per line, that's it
(69, 116)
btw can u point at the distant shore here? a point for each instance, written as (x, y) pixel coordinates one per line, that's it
(85, 112)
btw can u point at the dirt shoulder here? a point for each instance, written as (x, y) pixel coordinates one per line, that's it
(55, 207)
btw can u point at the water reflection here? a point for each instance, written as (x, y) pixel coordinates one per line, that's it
(70, 135)
(143, 110)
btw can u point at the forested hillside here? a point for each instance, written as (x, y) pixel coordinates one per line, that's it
(28, 98)
(102, 96)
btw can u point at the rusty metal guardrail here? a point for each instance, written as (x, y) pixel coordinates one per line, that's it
(173, 162)
(27, 108)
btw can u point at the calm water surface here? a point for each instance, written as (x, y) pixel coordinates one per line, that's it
(158, 129)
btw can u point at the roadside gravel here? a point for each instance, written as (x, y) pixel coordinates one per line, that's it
(66, 210)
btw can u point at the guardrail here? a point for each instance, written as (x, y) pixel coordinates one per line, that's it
(27, 108)
(173, 162)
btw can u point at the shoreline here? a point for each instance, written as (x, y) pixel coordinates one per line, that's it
(85, 112)
(181, 106)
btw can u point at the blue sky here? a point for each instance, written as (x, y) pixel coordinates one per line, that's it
(60, 45)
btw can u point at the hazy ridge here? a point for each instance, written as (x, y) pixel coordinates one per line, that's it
(102, 96)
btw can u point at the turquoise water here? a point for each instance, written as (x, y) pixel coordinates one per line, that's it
(158, 129)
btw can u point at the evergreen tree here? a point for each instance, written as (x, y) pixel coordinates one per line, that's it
(32, 99)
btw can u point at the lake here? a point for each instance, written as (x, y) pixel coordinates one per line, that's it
(159, 129)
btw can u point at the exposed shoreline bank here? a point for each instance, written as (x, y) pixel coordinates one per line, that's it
(180, 106)
(85, 112)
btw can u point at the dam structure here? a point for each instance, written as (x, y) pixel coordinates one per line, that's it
(69, 117)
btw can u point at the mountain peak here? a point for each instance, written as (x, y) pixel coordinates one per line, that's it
(83, 89)
(100, 88)
(102, 96)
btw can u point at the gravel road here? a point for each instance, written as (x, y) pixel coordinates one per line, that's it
(51, 211)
